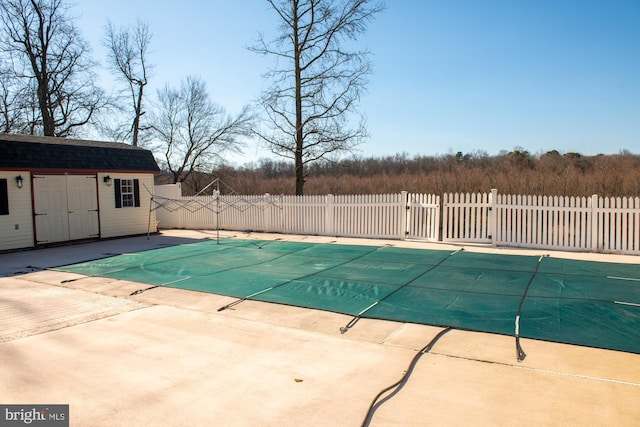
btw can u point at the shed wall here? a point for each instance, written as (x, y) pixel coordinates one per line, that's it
(115, 222)
(16, 228)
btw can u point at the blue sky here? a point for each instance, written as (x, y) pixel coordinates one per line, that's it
(449, 75)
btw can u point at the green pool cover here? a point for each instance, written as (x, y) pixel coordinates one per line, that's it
(577, 302)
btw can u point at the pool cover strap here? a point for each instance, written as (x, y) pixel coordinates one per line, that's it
(520, 354)
(234, 303)
(353, 321)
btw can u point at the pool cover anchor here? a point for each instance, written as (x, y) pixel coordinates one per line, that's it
(520, 354)
(243, 299)
(139, 291)
(344, 329)
(34, 268)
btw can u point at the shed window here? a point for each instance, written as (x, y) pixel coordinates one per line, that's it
(127, 193)
(4, 197)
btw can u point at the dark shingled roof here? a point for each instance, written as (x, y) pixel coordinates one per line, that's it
(42, 152)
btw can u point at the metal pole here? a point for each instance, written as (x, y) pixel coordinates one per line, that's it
(218, 213)
(149, 221)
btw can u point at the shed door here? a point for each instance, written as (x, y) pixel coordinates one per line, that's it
(66, 207)
(82, 199)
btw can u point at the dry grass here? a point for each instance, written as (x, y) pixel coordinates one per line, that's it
(512, 173)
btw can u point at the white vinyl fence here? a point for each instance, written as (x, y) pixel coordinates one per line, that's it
(374, 216)
(599, 224)
(467, 217)
(546, 222)
(562, 223)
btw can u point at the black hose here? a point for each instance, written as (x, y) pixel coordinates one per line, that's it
(375, 404)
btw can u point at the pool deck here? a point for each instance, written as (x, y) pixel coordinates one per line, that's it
(167, 357)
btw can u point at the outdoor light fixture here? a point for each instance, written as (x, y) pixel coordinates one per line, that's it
(19, 181)
(107, 180)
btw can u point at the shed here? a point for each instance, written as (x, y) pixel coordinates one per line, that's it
(56, 190)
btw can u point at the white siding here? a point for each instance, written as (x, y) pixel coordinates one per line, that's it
(16, 229)
(127, 221)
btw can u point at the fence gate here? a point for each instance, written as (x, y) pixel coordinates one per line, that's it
(423, 217)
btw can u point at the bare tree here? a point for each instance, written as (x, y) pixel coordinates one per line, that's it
(193, 132)
(128, 50)
(316, 82)
(51, 60)
(12, 103)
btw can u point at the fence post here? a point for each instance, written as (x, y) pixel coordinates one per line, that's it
(437, 225)
(179, 212)
(329, 223)
(445, 217)
(266, 213)
(493, 216)
(594, 222)
(404, 215)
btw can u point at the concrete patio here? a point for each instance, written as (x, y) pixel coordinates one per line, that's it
(167, 357)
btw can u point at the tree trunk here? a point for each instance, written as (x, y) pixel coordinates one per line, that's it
(41, 73)
(48, 124)
(299, 166)
(136, 120)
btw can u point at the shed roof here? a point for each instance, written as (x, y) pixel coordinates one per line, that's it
(42, 152)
